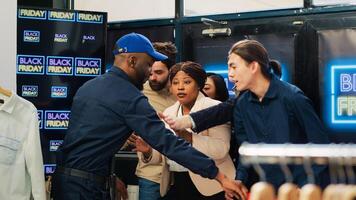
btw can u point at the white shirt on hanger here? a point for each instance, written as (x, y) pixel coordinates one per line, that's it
(21, 163)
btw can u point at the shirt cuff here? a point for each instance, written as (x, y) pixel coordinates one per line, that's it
(146, 159)
(192, 121)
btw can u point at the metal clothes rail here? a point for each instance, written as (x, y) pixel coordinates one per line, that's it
(343, 154)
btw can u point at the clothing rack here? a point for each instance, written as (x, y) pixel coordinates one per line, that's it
(323, 154)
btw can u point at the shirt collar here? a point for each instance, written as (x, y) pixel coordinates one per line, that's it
(119, 72)
(195, 106)
(271, 91)
(9, 104)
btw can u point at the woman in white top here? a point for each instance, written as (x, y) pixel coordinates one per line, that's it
(187, 81)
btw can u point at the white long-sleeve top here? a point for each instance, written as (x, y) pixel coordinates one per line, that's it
(21, 163)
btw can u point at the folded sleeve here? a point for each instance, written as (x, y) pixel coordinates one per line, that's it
(155, 157)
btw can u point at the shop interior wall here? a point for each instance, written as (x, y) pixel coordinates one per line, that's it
(277, 35)
(125, 10)
(326, 50)
(8, 45)
(60, 4)
(295, 41)
(213, 7)
(162, 9)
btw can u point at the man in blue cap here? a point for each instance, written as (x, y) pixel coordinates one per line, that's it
(105, 111)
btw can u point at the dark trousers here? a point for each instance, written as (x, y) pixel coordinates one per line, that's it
(184, 189)
(65, 187)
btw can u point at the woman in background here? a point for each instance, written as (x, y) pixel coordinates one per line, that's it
(215, 87)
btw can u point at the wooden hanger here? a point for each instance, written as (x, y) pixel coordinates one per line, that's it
(330, 192)
(5, 92)
(349, 192)
(288, 191)
(262, 191)
(310, 192)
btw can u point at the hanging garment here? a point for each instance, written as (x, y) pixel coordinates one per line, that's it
(4, 93)
(21, 164)
(339, 192)
(262, 191)
(349, 193)
(288, 191)
(310, 192)
(333, 192)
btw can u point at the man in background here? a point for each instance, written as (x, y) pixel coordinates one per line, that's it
(158, 86)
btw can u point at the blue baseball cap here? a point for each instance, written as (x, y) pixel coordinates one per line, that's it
(137, 43)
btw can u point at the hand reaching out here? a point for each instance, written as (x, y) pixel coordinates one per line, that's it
(131, 141)
(178, 123)
(141, 145)
(232, 188)
(242, 194)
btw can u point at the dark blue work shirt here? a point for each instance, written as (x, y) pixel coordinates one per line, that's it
(105, 111)
(285, 115)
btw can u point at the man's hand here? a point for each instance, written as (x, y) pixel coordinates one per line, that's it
(178, 123)
(141, 145)
(121, 189)
(131, 141)
(232, 188)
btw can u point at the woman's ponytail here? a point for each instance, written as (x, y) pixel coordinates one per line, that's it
(276, 68)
